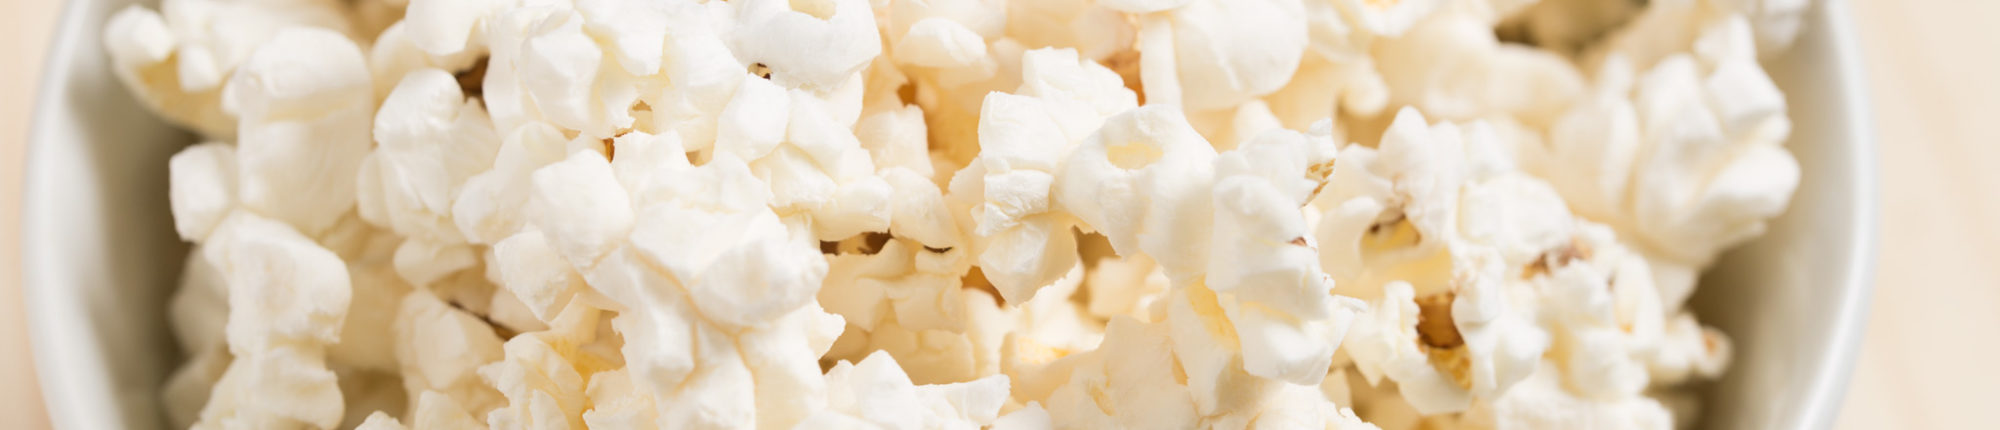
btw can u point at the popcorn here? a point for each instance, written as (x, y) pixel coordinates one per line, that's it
(202, 188)
(813, 45)
(287, 299)
(1143, 181)
(1228, 52)
(178, 59)
(441, 349)
(425, 124)
(874, 393)
(1713, 115)
(303, 123)
(955, 213)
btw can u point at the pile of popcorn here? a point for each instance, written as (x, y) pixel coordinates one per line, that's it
(567, 214)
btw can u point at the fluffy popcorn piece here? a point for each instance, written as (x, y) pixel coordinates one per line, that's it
(580, 207)
(543, 374)
(1453, 67)
(897, 138)
(1541, 402)
(1263, 268)
(380, 421)
(303, 107)
(437, 410)
(919, 285)
(1128, 382)
(920, 211)
(491, 205)
(939, 42)
(1094, 29)
(201, 188)
(1023, 142)
(822, 170)
(1689, 350)
(1030, 417)
(284, 289)
(1388, 345)
(875, 393)
(1698, 136)
(814, 44)
(283, 387)
(199, 309)
(1751, 176)
(393, 55)
(368, 338)
(1125, 286)
(1385, 18)
(288, 298)
(1390, 212)
(753, 123)
(431, 141)
(445, 27)
(1143, 181)
(424, 263)
(178, 59)
(441, 349)
(747, 273)
(1228, 52)
(635, 31)
(567, 76)
(616, 403)
(533, 271)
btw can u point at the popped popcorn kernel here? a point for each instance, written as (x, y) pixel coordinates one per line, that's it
(1015, 214)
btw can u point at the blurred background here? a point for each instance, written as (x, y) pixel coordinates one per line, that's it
(1934, 72)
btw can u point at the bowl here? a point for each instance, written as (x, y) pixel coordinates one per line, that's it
(101, 256)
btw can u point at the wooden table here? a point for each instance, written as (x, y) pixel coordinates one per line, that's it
(1928, 361)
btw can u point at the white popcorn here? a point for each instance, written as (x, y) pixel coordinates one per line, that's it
(1714, 115)
(1384, 18)
(1541, 402)
(580, 205)
(1125, 286)
(1228, 52)
(532, 270)
(492, 204)
(875, 394)
(1452, 67)
(202, 188)
(441, 349)
(179, 59)
(380, 421)
(368, 338)
(303, 106)
(939, 42)
(444, 27)
(542, 375)
(1143, 180)
(955, 213)
(430, 142)
(288, 298)
(1023, 142)
(811, 44)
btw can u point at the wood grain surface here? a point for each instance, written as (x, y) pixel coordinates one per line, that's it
(1928, 362)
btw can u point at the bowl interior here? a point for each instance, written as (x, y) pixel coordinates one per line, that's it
(101, 256)
(1795, 300)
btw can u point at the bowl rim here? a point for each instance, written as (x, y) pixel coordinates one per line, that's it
(1823, 402)
(70, 405)
(63, 397)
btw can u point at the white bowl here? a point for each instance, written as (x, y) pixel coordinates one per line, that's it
(101, 253)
